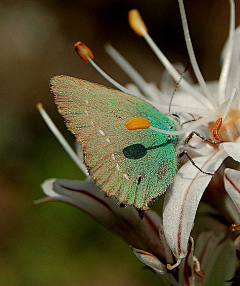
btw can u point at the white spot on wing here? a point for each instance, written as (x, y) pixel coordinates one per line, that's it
(101, 132)
(113, 157)
(126, 176)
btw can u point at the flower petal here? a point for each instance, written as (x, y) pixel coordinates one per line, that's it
(85, 195)
(149, 259)
(232, 209)
(234, 71)
(182, 199)
(154, 263)
(232, 149)
(232, 185)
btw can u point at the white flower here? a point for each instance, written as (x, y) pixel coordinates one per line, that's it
(146, 235)
(222, 100)
(205, 103)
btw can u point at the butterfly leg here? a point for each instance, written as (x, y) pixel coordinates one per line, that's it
(191, 160)
(140, 213)
(200, 136)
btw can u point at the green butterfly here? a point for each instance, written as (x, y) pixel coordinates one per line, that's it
(134, 166)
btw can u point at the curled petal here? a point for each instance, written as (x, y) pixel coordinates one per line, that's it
(153, 262)
(232, 185)
(149, 259)
(182, 199)
(232, 149)
(124, 221)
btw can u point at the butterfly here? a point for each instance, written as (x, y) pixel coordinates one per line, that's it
(134, 166)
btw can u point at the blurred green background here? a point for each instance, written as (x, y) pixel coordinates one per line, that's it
(55, 244)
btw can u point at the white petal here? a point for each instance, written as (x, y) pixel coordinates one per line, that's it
(85, 195)
(232, 185)
(149, 259)
(153, 262)
(232, 209)
(237, 243)
(234, 72)
(182, 199)
(232, 149)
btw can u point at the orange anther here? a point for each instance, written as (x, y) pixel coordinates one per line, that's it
(136, 22)
(137, 123)
(83, 51)
(216, 127)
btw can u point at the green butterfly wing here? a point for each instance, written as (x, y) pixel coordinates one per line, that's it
(134, 166)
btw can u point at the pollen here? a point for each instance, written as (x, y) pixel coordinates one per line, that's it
(136, 22)
(228, 130)
(216, 129)
(83, 51)
(137, 123)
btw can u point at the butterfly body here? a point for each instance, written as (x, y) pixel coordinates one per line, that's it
(134, 166)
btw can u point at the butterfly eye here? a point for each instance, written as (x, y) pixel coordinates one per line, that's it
(137, 123)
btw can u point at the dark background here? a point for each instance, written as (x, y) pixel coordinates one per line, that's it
(55, 244)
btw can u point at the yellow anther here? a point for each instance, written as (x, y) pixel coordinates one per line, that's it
(83, 51)
(136, 22)
(137, 123)
(234, 227)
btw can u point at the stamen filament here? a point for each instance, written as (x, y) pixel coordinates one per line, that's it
(163, 108)
(108, 78)
(171, 267)
(173, 72)
(131, 72)
(86, 55)
(192, 55)
(185, 130)
(229, 105)
(228, 57)
(61, 139)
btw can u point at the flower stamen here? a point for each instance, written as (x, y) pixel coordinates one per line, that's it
(229, 104)
(234, 227)
(137, 123)
(228, 57)
(216, 129)
(191, 127)
(136, 22)
(61, 139)
(87, 56)
(192, 55)
(83, 51)
(170, 68)
(171, 267)
(147, 89)
(197, 268)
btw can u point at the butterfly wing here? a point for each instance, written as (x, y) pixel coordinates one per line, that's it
(134, 166)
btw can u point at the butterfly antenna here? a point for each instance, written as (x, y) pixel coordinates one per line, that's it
(177, 85)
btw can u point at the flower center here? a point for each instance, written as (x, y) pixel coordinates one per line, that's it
(229, 129)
